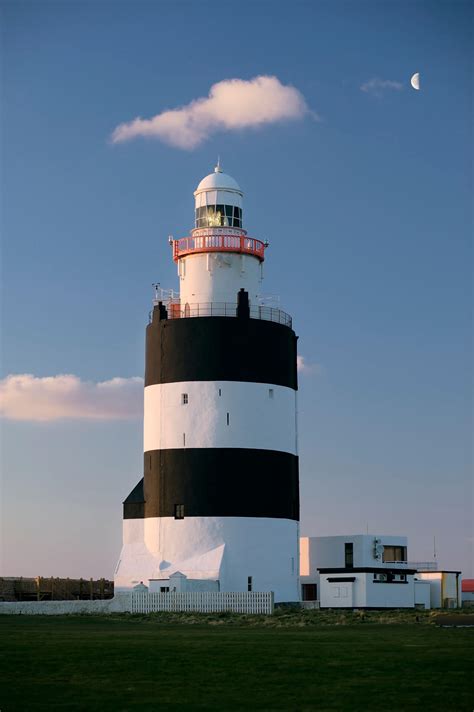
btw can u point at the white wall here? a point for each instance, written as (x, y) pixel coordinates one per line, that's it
(443, 585)
(256, 420)
(390, 595)
(328, 551)
(435, 586)
(364, 592)
(422, 594)
(336, 595)
(183, 585)
(217, 277)
(228, 549)
(119, 603)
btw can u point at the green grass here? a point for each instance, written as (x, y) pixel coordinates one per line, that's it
(290, 661)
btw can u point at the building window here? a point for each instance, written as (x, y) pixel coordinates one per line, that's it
(270, 392)
(184, 439)
(394, 553)
(179, 511)
(184, 398)
(228, 418)
(349, 555)
(164, 589)
(309, 592)
(220, 392)
(249, 583)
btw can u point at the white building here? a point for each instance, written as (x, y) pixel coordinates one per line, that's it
(219, 500)
(445, 587)
(358, 571)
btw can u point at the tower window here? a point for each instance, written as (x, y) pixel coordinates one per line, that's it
(179, 511)
(249, 583)
(228, 418)
(218, 216)
(184, 439)
(184, 398)
(220, 391)
(270, 392)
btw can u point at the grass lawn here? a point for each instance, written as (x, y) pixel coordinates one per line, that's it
(149, 663)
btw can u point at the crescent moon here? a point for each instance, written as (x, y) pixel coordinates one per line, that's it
(415, 81)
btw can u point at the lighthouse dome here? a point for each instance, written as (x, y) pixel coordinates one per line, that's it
(218, 181)
(218, 201)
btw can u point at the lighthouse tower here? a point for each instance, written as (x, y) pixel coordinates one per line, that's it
(219, 500)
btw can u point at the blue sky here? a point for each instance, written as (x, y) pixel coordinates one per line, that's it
(368, 211)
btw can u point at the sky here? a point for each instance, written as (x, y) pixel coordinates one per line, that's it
(363, 188)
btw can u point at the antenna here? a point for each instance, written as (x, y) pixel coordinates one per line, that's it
(218, 168)
(434, 548)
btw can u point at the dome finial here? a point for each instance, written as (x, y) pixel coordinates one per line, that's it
(218, 168)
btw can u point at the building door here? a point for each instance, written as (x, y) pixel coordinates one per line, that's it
(309, 592)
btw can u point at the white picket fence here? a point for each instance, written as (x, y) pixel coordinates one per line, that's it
(202, 602)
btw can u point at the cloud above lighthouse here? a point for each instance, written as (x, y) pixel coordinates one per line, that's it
(231, 105)
(29, 398)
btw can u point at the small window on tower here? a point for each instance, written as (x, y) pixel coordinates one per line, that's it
(184, 398)
(228, 419)
(220, 391)
(249, 583)
(270, 392)
(179, 511)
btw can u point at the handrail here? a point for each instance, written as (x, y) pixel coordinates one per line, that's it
(177, 310)
(221, 242)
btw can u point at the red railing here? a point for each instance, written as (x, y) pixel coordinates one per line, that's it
(218, 243)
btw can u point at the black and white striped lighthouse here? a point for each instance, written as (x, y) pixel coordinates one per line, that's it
(219, 500)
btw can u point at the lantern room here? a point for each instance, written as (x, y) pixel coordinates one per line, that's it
(218, 201)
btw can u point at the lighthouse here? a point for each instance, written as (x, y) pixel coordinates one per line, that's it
(219, 499)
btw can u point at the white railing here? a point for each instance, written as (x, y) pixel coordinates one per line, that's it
(423, 565)
(202, 602)
(395, 562)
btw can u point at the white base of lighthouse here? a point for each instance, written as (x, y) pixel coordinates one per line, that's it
(224, 549)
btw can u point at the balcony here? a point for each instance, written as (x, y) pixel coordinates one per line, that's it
(218, 242)
(228, 309)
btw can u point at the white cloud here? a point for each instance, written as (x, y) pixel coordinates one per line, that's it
(304, 367)
(232, 104)
(26, 397)
(378, 86)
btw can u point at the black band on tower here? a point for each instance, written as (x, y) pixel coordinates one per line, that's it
(220, 349)
(217, 482)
